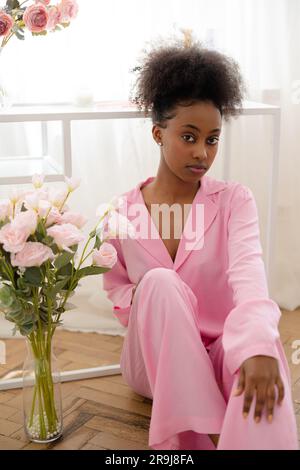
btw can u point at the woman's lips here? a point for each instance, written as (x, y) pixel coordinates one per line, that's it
(196, 170)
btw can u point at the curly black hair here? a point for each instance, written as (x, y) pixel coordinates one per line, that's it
(181, 74)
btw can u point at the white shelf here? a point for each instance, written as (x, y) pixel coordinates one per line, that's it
(100, 110)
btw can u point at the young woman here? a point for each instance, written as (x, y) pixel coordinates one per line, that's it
(202, 339)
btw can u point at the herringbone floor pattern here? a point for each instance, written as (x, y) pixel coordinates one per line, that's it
(102, 413)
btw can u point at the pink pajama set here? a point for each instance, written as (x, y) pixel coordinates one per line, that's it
(194, 321)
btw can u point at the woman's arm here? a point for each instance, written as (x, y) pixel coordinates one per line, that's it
(251, 327)
(118, 286)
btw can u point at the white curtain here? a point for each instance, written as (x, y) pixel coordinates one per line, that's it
(97, 51)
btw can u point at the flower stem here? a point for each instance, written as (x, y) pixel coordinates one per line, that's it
(40, 341)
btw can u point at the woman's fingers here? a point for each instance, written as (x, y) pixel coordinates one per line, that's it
(249, 394)
(261, 395)
(271, 397)
(265, 397)
(241, 383)
(280, 387)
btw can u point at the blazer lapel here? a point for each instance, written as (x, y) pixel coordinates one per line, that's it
(201, 215)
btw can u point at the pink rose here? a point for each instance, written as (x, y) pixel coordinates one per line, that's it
(106, 256)
(13, 238)
(43, 208)
(27, 221)
(53, 217)
(33, 254)
(15, 234)
(73, 218)
(54, 17)
(68, 9)
(6, 23)
(36, 18)
(6, 209)
(65, 235)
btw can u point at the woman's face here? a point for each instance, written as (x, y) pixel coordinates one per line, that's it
(190, 138)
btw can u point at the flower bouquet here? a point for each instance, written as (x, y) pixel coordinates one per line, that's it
(40, 268)
(39, 17)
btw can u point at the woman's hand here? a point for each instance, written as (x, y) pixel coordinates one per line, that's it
(260, 374)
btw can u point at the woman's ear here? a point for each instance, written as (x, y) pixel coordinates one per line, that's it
(156, 132)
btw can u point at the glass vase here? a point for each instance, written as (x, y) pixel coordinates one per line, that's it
(42, 404)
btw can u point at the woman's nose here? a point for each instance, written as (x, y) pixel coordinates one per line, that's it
(200, 151)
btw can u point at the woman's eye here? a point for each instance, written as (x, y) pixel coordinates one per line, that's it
(188, 138)
(216, 140)
(191, 139)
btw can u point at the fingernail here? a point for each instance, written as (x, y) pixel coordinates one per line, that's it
(245, 414)
(270, 417)
(257, 419)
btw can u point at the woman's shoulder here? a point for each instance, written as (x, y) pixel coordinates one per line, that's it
(133, 194)
(226, 191)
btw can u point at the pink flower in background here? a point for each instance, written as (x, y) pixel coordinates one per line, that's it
(54, 217)
(38, 180)
(69, 10)
(5, 209)
(32, 254)
(27, 221)
(6, 23)
(57, 197)
(36, 18)
(73, 218)
(54, 17)
(106, 256)
(14, 235)
(65, 235)
(44, 208)
(13, 238)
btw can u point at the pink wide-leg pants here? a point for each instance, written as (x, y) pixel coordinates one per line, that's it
(164, 358)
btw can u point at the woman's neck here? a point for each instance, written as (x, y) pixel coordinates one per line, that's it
(170, 188)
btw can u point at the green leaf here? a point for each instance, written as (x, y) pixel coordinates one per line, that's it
(63, 259)
(33, 276)
(98, 243)
(12, 4)
(65, 271)
(41, 231)
(7, 296)
(59, 286)
(15, 313)
(19, 36)
(4, 222)
(27, 328)
(91, 271)
(47, 240)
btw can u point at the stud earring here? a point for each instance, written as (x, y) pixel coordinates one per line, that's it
(159, 143)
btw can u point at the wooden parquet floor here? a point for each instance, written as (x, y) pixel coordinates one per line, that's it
(102, 413)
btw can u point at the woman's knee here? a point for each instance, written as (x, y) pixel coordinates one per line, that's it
(160, 276)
